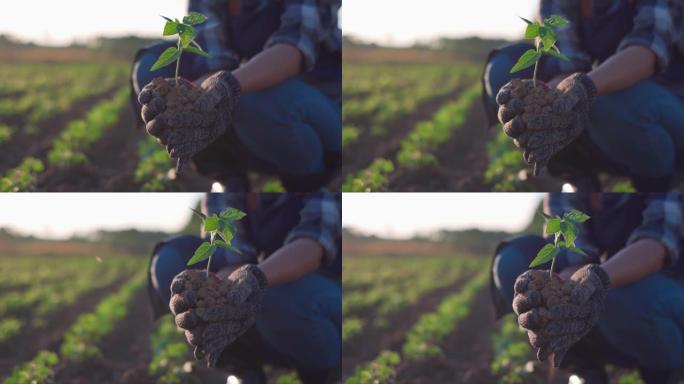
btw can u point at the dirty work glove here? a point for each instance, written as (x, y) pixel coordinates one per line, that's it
(543, 121)
(215, 312)
(567, 312)
(188, 123)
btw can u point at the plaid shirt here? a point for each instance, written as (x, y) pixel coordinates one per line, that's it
(662, 220)
(658, 25)
(308, 25)
(320, 219)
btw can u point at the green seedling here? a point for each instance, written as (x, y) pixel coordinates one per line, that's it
(544, 36)
(221, 229)
(565, 231)
(186, 40)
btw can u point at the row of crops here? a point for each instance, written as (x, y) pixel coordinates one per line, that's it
(35, 98)
(39, 290)
(378, 97)
(375, 296)
(381, 291)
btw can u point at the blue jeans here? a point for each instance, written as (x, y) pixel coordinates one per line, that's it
(639, 131)
(643, 325)
(292, 130)
(299, 327)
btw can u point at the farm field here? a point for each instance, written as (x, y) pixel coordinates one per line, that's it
(69, 126)
(413, 125)
(428, 318)
(77, 318)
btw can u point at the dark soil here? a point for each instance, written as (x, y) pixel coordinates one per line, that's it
(13, 352)
(367, 345)
(126, 352)
(467, 352)
(24, 144)
(370, 146)
(461, 161)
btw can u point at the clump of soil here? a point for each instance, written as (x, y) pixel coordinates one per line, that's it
(536, 99)
(554, 291)
(210, 291)
(179, 97)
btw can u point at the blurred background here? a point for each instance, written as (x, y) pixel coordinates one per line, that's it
(66, 121)
(413, 118)
(417, 305)
(74, 306)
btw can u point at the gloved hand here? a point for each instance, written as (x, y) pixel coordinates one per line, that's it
(189, 120)
(215, 312)
(559, 313)
(541, 121)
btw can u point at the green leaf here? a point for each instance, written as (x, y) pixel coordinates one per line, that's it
(203, 252)
(555, 21)
(194, 18)
(195, 50)
(547, 37)
(187, 34)
(528, 59)
(578, 250)
(211, 223)
(525, 20)
(576, 216)
(170, 28)
(553, 225)
(167, 57)
(532, 31)
(569, 232)
(546, 254)
(166, 18)
(232, 214)
(544, 215)
(556, 53)
(220, 243)
(198, 213)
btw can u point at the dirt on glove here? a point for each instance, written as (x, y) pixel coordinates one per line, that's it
(554, 291)
(537, 100)
(210, 290)
(179, 97)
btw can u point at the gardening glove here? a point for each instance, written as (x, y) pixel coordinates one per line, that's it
(570, 311)
(189, 126)
(215, 312)
(542, 123)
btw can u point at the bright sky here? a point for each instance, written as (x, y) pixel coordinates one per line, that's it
(59, 215)
(403, 22)
(62, 21)
(400, 215)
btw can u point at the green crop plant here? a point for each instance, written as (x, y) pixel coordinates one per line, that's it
(381, 370)
(544, 36)
(565, 233)
(221, 229)
(186, 40)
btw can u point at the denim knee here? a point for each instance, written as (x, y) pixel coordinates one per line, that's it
(299, 324)
(169, 259)
(645, 320)
(512, 259)
(291, 126)
(632, 137)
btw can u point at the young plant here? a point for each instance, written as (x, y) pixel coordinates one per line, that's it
(186, 40)
(221, 229)
(544, 36)
(565, 233)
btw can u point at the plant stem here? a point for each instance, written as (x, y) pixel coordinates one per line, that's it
(209, 266)
(534, 74)
(180, 52)
(553, 264)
